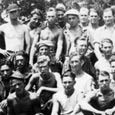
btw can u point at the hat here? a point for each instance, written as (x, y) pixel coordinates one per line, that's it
(72, 12)
(44, 43)
(43, 59)
(17, 75)
(12, 7)
(60, 7)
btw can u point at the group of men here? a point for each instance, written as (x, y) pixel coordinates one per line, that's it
(64, 65)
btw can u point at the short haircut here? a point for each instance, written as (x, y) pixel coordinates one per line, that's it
(109, 9)
(82, 38)
(106, 40)
(103, 73)
(69, 74)
(112, 58)
(84, 9)
(7, 62)
(93, 10)
(74, 54)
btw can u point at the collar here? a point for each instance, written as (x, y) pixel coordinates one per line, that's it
(105, 27)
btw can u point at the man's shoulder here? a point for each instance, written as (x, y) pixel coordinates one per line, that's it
(33, 96)
(59, 94)
(100, 28)
(11, 97)
(87, 76)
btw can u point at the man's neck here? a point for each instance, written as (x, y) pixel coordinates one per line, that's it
(69, 93)
(79, 72)
(94, 25)
(110, 25)
(84, 24)
(21, 95)
(14, 22)
(51, 26)
(74, 27)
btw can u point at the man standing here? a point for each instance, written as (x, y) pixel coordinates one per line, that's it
(16, 34)
(51, 33)
(106, 31)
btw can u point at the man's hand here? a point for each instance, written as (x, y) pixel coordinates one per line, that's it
(109, 112)
(40, 90)
(4, 52)
(3, 104)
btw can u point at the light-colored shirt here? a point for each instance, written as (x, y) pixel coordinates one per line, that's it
(67, 104)
(84, 83)
(104, 32)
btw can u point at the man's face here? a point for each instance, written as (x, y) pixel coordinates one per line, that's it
(51, 17)
(93, 18)
(75, 63)
(104, 82)
(68, 83)
(73, 20)
(107, 48)
(84, 16)
(13, 14)
(5, 72)
(108, 18)
(60, 16)
(43, 67)
(43, 50)
(20, 62)
(18, 85)
(112, 67)
(81, 47)
(35, 21)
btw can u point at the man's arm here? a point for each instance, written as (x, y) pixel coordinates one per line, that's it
(59, 81)
(55, 108)
(34, 78)
(97, 51)
(33, 49)
(84, 104)
(59, 44)
(27, 40)
(10, 110)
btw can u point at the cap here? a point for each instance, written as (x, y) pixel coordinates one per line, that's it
(60, 7)
(12, 7)
(17, 75)
(72, 12)
(44, 43)
(43, 59)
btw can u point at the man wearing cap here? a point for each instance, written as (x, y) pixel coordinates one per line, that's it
(51, 33)
(74, 31)
(45, 82)
(60, 10)
(16, 35)
(21, 102)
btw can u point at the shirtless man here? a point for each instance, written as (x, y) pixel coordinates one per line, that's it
(21, 102)
(75, 30)
(51, 33)
(16, 35)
